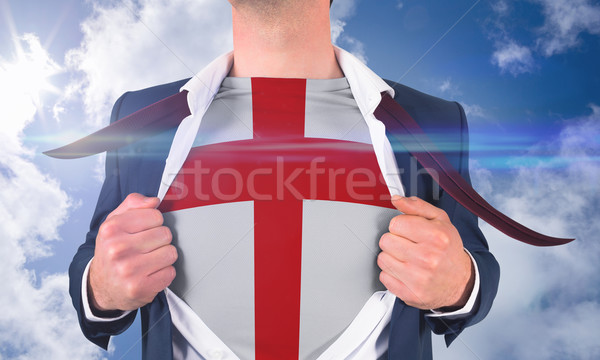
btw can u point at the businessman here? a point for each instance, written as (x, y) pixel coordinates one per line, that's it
(280, 220)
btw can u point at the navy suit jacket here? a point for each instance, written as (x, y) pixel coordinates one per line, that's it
(139, 166)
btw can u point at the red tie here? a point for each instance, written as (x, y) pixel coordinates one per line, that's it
(169, 112)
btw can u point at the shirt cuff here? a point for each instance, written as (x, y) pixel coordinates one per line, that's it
(465, 310)
(87, 310)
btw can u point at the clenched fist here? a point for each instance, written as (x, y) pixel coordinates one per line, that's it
(423, 261)
(133, 257)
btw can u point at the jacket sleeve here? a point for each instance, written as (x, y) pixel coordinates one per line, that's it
(110, 197)
(474, 241)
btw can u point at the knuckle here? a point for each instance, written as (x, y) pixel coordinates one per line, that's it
(444, 216)
(425, 284)
(129, 198)
(380, 260)
(156, 216)
(108, 229)
(167, 275)
(437, 223)
(123, 270)
(431, 261)
(442, 239)
(174, 255)
(132, 290)
(171, 275)
(382, 278)
(384, 241)
(113, 250)
(394, 223)
(167, 234)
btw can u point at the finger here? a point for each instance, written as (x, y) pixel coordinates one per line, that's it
(402, 291)
(418, 257)
(416, 228)
(138, 220)
(402, 249)
(149, 240)
(407, 273)
(160, 258)
(418, 207)
(395, 286)
(135, 201)
(391, 265)
(160, 279)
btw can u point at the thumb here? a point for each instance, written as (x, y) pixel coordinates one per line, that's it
(135, 201)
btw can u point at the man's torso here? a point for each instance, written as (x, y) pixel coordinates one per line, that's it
(277, 214)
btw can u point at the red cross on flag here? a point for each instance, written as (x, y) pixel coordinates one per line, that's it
(275, 176)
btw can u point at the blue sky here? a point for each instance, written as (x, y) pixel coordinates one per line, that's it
(525, 71)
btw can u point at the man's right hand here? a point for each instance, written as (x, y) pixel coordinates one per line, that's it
(133, 257)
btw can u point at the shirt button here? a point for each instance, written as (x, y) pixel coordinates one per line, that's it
(216, 354)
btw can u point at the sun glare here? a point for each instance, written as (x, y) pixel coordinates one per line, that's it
(23, 80)
(29, 73)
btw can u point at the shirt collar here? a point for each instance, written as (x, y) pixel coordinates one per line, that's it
(365, 85)
(203, 87)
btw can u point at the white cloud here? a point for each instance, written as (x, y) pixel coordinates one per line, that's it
(337, 28)
(400, 5)
(513, 58)
(341, 11)
(547, 306)
(450, 90)
(356, 47)
(473, 110)
(565, 20)
(135, 44)
(500, 7)
(22, 80)
(509, 55)
(445, 86)
(38, 321)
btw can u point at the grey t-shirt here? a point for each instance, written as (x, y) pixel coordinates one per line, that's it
(327, 164)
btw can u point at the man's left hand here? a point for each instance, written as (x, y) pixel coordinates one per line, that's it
(423, 261)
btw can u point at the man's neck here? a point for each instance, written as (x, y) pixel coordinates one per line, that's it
(288, 41)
